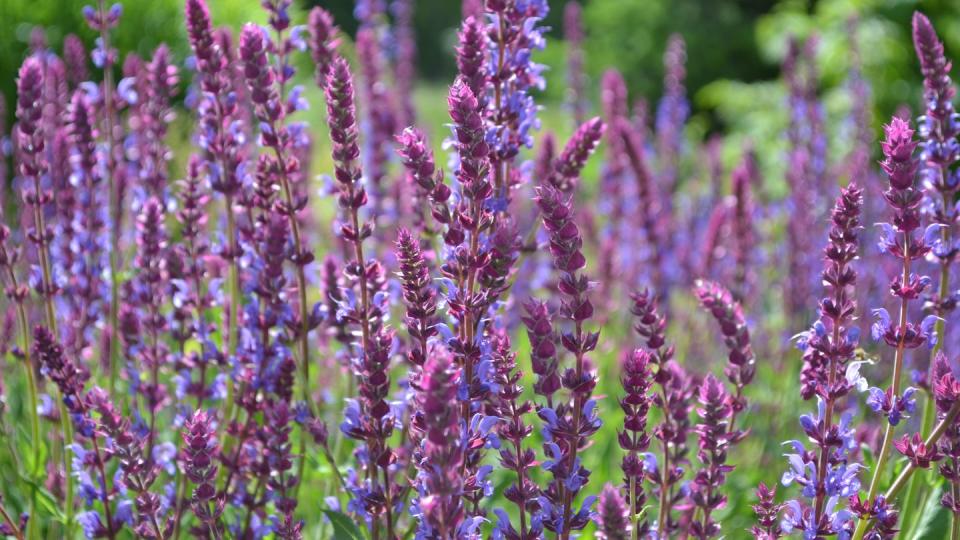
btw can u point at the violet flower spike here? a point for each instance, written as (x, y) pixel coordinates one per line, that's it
(509, 406)
(636, 380)
(904, 198)
(569, 424)
(440, 509)
(767, 510)
(613, 519)
(417, 157)
(939, 129)
(420, 298)
(574, 157)
(674, 399)
(324, 41)
(32, 167)
(741, 367)
(265, 93)
(715, 434)
(200, 450)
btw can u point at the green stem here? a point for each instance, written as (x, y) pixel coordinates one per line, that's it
(895, 389)
(908, 471)
(912, 519)
(954, 527)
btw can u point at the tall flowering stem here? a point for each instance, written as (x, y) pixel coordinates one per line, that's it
(510, 406)
(102, 20)
(405, 64)
(76, 409)
(569, 425)
(440, 458)
(636, 380)
(17, 293)
(716, 434)
(743, 178)
(371, 366)
(266, 87)
(200, 451)
(741, 360)
(324, 39)
(32, 166)
(829, 375)
(513, 34)
(672, 112)
(899, 239)
(475, 218)
(800, 177)
(146, 292)
(649, 204)
(767, 511)
(613, 523)
(378, 117)
(940, 151)
(419, 296)
(90, 222)
(673, 399)
(573, 158)
(222, 150)
(417, 158)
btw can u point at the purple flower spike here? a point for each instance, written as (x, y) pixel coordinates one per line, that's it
(767, 510)
(543, 349)
(440, 485)
(828, 373)
(898, 147)
(569, 424)
(636, 381)
(574, 156)
(513, 430)
(736, 336)
(421, 319)
(324, 40)
(200, 452)
(715, 434)
(676, 390)
(938, 129)
(418, 160)
(75, 60)
(613, 515)
(471, 55)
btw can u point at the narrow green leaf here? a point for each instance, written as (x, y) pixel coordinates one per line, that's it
(343, 527)
(925, 523)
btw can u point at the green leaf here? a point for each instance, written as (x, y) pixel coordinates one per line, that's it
(46, 500)
(343, 527)
(925, 524)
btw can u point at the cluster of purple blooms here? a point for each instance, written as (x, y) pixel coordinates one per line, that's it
(226, 348)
